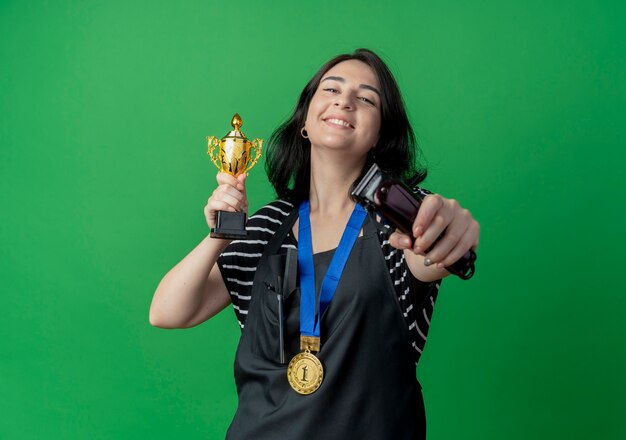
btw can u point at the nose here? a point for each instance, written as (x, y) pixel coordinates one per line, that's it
(343, 102)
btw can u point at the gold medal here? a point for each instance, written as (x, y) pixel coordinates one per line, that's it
(305, 373)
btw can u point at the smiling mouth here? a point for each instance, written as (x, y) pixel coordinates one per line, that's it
(339, 122)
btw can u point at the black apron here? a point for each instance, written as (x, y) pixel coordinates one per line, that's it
(369, 390)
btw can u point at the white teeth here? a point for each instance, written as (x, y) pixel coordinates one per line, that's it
(338, 122)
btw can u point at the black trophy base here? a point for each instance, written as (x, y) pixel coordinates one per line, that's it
(230, 225)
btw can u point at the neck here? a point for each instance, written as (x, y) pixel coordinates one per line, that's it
(331, 179)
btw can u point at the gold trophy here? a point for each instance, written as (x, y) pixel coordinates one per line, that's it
(234, 158)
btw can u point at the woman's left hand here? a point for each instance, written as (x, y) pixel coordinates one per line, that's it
(436, 215)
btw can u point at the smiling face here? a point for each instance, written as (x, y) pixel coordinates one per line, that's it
(344, 113)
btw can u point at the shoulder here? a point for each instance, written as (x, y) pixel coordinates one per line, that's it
(277, 210)
(261, 226)
(268, 219)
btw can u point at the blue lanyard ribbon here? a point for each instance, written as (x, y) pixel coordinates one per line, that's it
(309, 320)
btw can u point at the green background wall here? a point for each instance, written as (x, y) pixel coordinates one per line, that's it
(104, 110)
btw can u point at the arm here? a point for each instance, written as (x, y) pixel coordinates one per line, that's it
(193, 290)
(436, 215)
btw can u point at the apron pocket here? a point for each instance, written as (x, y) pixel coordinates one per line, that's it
(266, 334)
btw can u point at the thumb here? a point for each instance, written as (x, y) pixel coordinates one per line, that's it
(241, 185)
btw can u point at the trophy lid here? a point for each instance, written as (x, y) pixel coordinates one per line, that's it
(236, 122)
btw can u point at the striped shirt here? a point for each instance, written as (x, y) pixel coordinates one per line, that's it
(239, 261)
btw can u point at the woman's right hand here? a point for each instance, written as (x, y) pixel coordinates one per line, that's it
(230, 195)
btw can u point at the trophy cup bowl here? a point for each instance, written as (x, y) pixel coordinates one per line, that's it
(234, 156)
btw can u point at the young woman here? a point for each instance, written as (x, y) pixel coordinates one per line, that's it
(353, 342)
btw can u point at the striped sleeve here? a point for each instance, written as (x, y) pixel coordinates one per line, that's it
(239, 261)
(416, 298)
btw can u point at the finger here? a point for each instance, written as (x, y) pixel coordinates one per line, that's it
(399, 240)
(241, 182)
(227, 189)
(235, 201)
(220, 205)
(424, 242)
(451, 237)
(229, 194)
(431, 204)
(210, 212)
(227, 179)
(242, 178)
(467, 242)
(210, 216)
(476, 227)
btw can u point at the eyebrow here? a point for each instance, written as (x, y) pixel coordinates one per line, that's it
(362, 86)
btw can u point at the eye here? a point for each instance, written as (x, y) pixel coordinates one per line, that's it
(330, 90)
(366, 100)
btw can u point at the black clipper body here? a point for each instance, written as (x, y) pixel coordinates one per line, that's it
(397, 204)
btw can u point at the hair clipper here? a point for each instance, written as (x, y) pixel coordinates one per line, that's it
(397, 204)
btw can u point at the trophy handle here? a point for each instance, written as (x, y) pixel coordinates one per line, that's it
(213, 143)
(257, 144)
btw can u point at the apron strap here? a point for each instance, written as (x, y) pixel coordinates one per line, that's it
(278, 238)
(370, 225)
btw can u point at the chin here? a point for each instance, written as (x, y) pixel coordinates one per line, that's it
(334, 143)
